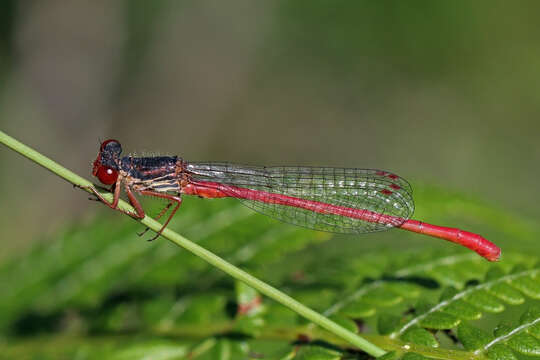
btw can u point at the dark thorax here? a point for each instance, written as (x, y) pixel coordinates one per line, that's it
(151, 173)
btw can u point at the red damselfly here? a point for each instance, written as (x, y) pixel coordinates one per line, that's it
(338, 200)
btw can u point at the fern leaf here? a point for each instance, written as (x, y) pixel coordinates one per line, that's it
(522, 339)
(437, 317)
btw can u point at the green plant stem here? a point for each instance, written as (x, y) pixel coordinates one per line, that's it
(206, 255)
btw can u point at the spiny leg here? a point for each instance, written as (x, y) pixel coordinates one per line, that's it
(167, 222)
(139, 212)
(97, 187)
(172, 199)
(135, 203)
(158, 216)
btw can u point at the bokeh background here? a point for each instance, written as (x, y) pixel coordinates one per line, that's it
(444, 93)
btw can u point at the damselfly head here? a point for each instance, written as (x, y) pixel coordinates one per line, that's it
(110, 147)
(106, 163)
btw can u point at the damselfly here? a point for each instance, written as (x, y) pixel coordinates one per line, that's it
(338, 200)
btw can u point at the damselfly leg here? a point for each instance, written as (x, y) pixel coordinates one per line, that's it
(172, 199)
(157, 217)
(139, 212)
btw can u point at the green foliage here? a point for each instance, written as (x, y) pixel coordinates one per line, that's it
(98, 291)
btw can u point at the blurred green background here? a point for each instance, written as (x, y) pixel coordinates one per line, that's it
(444, 93)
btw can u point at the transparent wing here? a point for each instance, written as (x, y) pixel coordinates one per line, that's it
(380, 192)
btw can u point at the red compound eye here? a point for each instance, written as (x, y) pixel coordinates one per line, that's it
(106, 175)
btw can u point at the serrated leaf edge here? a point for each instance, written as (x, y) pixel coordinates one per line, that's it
(460, 295)
(401, 273)
(506, 336)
